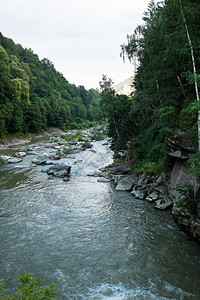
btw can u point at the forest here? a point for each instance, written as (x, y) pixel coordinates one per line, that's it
(35, 96)
(164, 51)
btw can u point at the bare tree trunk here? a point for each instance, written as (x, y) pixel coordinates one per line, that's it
(117, 132)
(194, 69)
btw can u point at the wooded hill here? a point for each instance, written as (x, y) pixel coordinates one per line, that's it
(34, 96)
(164, 105)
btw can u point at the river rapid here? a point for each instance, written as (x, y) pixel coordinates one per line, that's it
(92, 241)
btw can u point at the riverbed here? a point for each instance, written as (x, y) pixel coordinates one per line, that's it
(92, 241)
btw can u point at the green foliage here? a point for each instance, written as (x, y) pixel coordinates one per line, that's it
(194, 162)
(114, 109)
(33, 95)
(69, 150)
(187, 200)
(148, 168)
(28, 289)
(70, 137)
(164, 86)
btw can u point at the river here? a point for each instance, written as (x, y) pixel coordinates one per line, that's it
(92, 241)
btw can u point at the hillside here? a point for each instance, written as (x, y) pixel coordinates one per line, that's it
(34, 95)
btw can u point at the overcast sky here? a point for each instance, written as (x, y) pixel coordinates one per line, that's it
(81, 37)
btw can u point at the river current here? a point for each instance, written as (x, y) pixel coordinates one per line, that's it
(92, 241)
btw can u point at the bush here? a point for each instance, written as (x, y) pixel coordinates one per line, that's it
(29, 289)
(149, 168)
(188, 200)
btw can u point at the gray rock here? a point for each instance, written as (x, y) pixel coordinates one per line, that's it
(141, 181)
(159, 189)
(6, 157)
(164, 205)
(178, 154)
(59, 170)
(96, 174)
(40, 161)
(125, 184)
(14, 160)
(61, 173)
(153, 196)
(103, 180)
(20, 154)
(49, 162)
(138, 194)
(121, 170)
(159, 180)
(31, 153)
(116, 178)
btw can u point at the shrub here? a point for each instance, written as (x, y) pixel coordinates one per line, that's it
(29, 289)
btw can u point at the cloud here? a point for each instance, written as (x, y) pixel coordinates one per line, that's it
(81, 37)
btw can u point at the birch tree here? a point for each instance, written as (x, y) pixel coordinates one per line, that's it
(194, 69)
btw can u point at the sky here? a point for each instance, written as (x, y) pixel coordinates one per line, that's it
(81, 37)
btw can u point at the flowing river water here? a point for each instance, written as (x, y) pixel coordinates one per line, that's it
(92, 241)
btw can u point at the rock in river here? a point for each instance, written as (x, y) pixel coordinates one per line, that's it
(20, 154)
(40, 161)
(120, 170)
(59, 170)
(14, 160)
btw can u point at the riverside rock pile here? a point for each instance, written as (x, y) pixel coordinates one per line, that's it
(152, 189)
(156, 190)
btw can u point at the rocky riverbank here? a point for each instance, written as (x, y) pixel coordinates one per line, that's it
(162, 193)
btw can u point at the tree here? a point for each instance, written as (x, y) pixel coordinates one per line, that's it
(194, 68)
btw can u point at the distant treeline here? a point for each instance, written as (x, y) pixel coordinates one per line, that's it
(34, 96)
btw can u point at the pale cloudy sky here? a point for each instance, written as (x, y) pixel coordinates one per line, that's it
(81, 37)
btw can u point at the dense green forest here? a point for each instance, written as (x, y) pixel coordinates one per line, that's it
(34, 96)
(165, 103)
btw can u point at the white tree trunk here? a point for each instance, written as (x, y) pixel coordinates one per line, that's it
(194, 70)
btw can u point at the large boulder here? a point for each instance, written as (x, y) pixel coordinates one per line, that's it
(14, 160)
(59, 170)
(5, 157)
(125, 184)
(20, 154)
(120, 170)
(40, 161)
